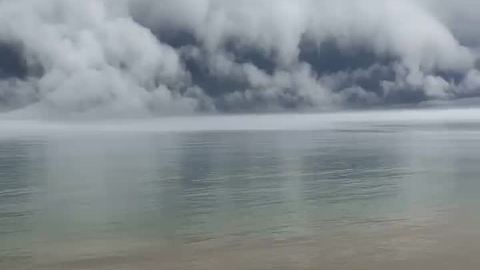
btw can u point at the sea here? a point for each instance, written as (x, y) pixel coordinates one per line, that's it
(356, 190)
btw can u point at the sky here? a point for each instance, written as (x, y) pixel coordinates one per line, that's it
(174, 57)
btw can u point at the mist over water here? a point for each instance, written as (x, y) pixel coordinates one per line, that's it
(12, 125)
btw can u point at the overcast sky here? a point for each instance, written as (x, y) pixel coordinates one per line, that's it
(157, 57)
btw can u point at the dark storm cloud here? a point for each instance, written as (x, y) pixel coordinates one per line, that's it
(12, 62)
(143, 57)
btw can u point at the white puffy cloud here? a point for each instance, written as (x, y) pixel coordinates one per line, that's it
(130, 57)
(93, 58)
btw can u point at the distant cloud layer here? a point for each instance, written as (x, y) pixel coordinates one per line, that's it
(156, 57)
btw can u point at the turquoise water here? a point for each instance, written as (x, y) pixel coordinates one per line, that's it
(93, 194)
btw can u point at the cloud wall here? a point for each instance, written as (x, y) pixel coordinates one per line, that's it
(146, 57)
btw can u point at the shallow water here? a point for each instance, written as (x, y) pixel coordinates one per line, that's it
(361, 196)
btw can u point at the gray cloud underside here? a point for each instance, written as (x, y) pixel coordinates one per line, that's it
(150, 57)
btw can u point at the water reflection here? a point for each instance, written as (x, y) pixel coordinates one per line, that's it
(21, 176)
(96, 194)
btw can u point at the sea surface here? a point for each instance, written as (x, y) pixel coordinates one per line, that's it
(242, 192)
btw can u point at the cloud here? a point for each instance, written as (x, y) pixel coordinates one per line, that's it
(92, 58)
(146, 57)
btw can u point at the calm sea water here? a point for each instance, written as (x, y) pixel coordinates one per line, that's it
(93, 200)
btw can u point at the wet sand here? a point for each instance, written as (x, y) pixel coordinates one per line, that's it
(448, 244)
